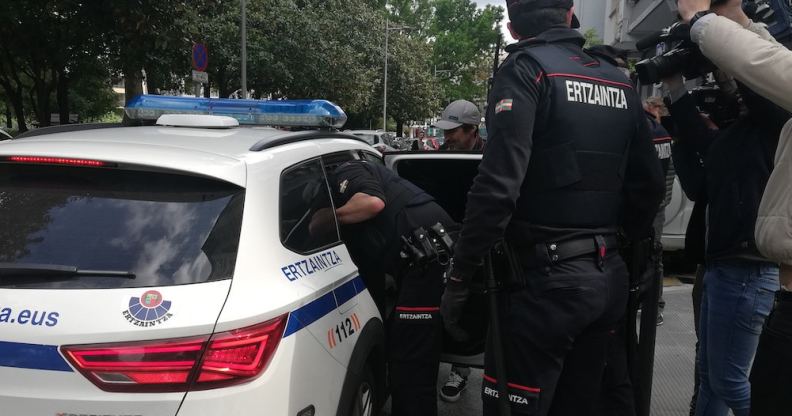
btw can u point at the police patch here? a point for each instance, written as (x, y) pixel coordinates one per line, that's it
(343, 185)
(503, 105)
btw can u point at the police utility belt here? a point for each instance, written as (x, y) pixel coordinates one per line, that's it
(510, 261)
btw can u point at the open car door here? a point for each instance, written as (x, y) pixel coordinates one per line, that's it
(447, 176)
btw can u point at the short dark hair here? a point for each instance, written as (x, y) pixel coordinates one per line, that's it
(531, 23)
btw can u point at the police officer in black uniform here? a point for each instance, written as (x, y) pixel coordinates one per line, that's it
(375, 209)
(568, 164)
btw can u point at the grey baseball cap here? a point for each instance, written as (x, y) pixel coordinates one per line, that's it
(458, 113)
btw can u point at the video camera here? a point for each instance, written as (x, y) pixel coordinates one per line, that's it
(676, 53)
(722, 108)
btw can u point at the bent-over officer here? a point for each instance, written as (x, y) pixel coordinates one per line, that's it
(375, 209)
(569, 161)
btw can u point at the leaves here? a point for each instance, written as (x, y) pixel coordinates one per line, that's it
(331, 49)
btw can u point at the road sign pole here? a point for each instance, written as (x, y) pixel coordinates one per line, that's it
(244, 48)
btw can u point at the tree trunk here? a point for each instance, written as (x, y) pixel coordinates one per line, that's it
(221, 82)
(8, 115)
(399, 128)
(133, 84)
(63, 96)
(19, 110)
(207, 89)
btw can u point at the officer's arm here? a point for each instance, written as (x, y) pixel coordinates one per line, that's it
(644, 184)
(359, 208)
(492, 198)
(358, 194)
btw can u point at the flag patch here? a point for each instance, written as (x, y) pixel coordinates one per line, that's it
(503, 105)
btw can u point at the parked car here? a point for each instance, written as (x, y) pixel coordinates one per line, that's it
(677, 216)
(380, 140)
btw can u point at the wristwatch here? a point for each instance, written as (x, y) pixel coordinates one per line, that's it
(698, 16)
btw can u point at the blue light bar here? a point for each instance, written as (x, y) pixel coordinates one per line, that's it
(292, 113)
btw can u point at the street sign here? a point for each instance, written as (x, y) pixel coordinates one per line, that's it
(200, 57)
(200, 76)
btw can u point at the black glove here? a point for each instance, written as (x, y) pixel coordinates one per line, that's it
(454, 298)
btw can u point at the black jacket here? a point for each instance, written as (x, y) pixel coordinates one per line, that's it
(727, 170)
(518, 109)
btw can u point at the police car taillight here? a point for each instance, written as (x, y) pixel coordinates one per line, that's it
(179, 365)
(46, 160)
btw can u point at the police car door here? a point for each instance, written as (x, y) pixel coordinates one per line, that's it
(447, 176)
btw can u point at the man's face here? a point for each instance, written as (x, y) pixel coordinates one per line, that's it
(459, 139)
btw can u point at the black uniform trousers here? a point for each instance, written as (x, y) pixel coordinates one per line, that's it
(556, 332)
(771, 375)
(415, 329)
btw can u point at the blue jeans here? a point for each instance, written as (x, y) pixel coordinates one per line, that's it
(738, 296)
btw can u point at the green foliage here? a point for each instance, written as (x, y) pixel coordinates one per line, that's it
(65, 52)
(592, 39)
(413, 90)
(92, 98)
(464, 44)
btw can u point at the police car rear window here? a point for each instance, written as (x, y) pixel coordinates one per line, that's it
(143, 228)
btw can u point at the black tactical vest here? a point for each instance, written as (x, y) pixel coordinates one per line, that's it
(580, 141)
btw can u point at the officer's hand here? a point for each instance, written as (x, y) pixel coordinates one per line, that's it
(454, 298)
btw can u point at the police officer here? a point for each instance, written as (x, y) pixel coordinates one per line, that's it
(375, 209)
(569, 161)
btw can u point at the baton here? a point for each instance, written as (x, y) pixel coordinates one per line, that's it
(504, 407)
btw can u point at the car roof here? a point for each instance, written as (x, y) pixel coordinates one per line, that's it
(218, 153)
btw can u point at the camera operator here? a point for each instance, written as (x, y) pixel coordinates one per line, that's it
(739, 281)
(753, 57)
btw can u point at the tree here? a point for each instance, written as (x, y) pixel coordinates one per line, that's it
(45, 42)
(464, 41)
(150, 35)
(414, 90)
(221, 35)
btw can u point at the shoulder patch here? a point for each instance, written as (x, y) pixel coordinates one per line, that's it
(504, 105)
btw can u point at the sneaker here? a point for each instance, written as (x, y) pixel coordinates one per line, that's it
(453, 387)
(660, 319)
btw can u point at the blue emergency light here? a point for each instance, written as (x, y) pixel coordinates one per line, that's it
(293, 113)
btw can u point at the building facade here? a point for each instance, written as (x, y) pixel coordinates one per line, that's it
(627, 21)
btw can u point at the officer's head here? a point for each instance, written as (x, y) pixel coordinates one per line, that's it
(459, 122)
(528, 18)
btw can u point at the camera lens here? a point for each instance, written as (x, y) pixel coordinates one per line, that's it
(652, 70)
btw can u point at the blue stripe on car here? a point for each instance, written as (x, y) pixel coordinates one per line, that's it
(32, 356)
(318, 308)
(47, 357)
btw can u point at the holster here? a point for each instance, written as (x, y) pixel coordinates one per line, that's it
(506, 265)
(422, 246)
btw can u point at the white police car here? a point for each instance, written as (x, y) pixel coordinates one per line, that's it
(170, 269)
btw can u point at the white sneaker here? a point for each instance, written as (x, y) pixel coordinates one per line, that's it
(453, 387)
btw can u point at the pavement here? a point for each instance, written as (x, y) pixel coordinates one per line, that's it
(673, 367)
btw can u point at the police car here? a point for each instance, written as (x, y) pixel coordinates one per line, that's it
(170, 269)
